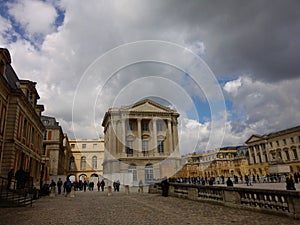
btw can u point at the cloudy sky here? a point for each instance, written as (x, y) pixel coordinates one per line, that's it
(231, 68)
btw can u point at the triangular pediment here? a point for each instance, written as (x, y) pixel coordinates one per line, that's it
(254, 138)
(147, 106)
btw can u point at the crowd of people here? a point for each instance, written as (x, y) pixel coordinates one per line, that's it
(290, 179)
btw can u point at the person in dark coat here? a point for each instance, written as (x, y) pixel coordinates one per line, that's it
(229, 182)
(165, 187)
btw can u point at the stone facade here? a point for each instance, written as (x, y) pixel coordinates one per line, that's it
(55, 150)
(226, 161)
(21, 129)
(141, 143)
(85, 159)
(275, 153)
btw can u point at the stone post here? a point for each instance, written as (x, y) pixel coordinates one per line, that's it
(72, 193)
(52, 192)
(109, 193)
(127, 189)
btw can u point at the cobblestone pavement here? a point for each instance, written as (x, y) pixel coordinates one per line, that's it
(97, 208)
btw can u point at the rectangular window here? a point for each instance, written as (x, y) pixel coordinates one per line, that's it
(160, 126)
(277, 143)
(292, 140)
(284, 142)
(145, 126)
(271, 145)
(287, 156)
(145, 147)
(72, 145)
(94, 145)
(130, 126)
(3, 113)
(129, 149)
(295, 154)
(83, 145)
(49, 135)
(160, 147)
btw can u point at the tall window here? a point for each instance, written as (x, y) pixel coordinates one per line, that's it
(94, 162)
(132, 169)
(160, 125)
(160, 147)
(284, 141)
(129, 149)
(83, 163)
(148, 172)
(295, 153)
(292, 140)
(72, 163)
(83, 145)
(145, 126)
(271, 145)
(130, 126)
(287, 155)
(145, 147)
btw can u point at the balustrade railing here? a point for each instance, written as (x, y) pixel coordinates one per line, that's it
(264, 200)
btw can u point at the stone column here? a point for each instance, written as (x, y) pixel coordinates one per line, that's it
(170, 149)
(154, 136)
(123, 136)
(139, 134)
(261, 153)
(250, 155)
(175, 137)
(255, 154)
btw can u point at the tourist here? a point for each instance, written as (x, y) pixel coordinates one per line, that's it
(52, 185)
(165, 187)
(84, 185)
(68, 187)
(98, 185)
(102, 185)
(229, 182)
(59, 185)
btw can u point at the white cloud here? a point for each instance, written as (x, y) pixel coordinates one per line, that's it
(233, 86)
(90, 30)
(36, 17)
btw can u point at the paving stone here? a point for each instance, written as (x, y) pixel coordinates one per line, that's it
(94, 207)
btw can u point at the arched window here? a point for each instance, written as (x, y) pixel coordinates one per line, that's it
(149, 172)
(132, 169)
(94, 162)
(83, 163)
(72, 163)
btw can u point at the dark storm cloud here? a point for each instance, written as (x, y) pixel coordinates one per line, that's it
(261, 38)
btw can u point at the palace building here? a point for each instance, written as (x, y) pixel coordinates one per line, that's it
(141, 143)
(275, 153)
(55, 151)
(21, 129)
(85, 159)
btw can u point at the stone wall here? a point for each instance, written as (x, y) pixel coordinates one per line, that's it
(269, 201)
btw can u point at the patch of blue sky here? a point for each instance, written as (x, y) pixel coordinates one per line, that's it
(60, 18)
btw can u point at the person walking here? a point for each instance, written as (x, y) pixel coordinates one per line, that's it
(59, 185)
(165, 187)
(102, 185)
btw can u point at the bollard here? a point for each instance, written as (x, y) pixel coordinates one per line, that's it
(72, 193)
(109, 193)
(127, 189)
(141, 190)
(52, 192)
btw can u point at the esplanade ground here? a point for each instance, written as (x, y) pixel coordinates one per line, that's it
(93, 207)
